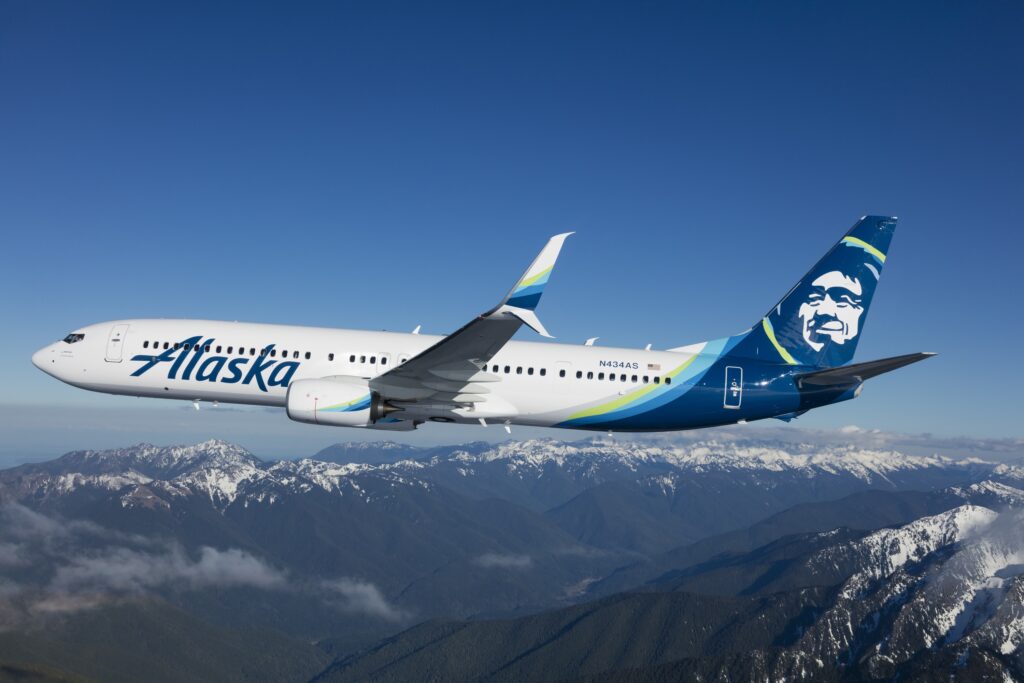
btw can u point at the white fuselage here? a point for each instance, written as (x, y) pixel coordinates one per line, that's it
(539, 384)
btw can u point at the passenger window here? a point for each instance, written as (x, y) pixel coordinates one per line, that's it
(330, 356)
(206, 348)
(579, 374)
(612, 376)
(383, 360)
(508, 369)
(590, 375)
(145, 344)
(646, 379)
(166, 344)
(494, 368)
(600, 375)
(187, 346)
(668, 380)
(352, 359)
(176, 346)
(519, 370)
(230, 349)
(561, 373)
(263, 351)
(373, 360)
(219, 348)
(529, 371)
(634, 379)
(543, 371)
(252, 351)
(284, 354)
(362, 359)
(657, 380)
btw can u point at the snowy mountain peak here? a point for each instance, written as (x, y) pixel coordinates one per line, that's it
(991, 492)
(884, 552)
(927, 534)
(157, 461)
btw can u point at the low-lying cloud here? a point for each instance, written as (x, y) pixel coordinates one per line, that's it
(51, 566)
(128, 570)
(362, 597)
(504, 561)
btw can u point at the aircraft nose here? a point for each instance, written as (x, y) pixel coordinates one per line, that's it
(41, 358)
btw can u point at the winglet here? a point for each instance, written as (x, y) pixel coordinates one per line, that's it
(527, 291)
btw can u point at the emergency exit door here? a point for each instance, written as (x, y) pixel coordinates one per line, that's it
(733, 387)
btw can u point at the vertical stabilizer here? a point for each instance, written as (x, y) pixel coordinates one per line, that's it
(820, 320)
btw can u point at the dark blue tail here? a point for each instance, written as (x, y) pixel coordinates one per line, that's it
(820, 320)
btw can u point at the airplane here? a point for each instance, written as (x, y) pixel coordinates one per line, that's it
(794, 359)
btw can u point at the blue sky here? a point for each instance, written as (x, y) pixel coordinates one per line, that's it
(387, 165)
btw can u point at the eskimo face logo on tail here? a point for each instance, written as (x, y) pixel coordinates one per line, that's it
(191, 361)
(833, 309)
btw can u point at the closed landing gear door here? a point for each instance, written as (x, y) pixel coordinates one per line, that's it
(115, 343)
(733, 387)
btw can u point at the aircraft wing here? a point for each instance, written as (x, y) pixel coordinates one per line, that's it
(453, 371)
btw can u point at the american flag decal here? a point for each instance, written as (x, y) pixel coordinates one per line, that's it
(654, 366)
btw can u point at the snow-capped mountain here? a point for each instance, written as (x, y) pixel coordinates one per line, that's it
(635, 496)
(949, 582)
(820, 560)
(991, 492)
(617, 496)
(216, 470)
(938, 598)
(590, 456)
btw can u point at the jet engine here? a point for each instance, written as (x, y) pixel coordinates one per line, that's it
(338, 401)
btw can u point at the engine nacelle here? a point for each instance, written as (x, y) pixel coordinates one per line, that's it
(339, 401)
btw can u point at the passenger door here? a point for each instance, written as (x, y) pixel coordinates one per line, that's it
(115, 343)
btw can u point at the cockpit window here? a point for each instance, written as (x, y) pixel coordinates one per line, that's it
(74, 337)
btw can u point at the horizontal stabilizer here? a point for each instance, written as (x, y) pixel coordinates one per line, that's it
(858, 372)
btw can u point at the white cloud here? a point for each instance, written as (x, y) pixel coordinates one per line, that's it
(364, 598)
(125, 569)
(78, 565)
(504, 561)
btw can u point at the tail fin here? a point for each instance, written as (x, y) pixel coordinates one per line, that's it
(820, 320)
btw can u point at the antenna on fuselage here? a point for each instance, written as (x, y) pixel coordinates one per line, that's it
(590, 342)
